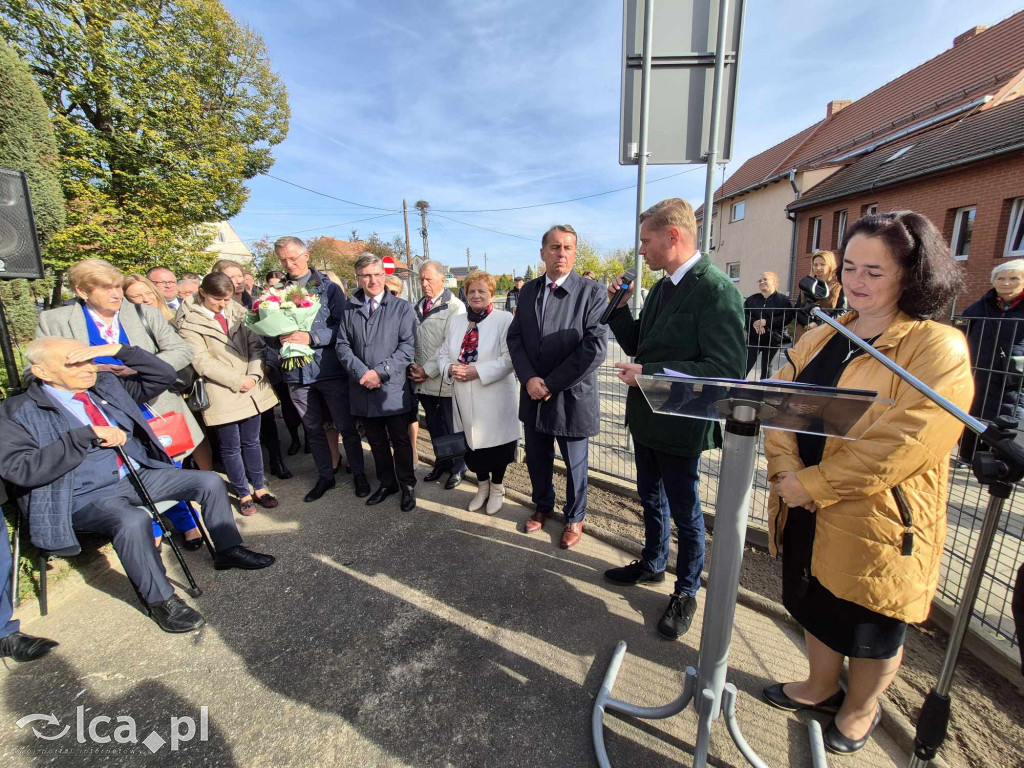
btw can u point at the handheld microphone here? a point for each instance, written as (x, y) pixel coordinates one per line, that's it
(627, 280)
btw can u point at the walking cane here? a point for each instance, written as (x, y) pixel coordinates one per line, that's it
(998, 470)
(194, 589)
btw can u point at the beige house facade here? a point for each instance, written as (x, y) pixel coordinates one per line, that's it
(227, 244)
(751, 233)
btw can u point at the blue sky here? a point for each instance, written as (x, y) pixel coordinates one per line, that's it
(485, 104)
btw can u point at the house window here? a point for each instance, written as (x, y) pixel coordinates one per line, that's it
(733, 271)
(220, 236)
(700, 236)
(871, 210)
(963, 228)
(738, 210)
(840, 229)
(1015, 234)
(816, 234)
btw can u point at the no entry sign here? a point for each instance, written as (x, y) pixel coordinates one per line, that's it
(389, 265)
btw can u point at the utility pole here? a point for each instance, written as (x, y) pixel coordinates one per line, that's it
(467, 258)
(485, 261)
(408, 250)
(423, 205)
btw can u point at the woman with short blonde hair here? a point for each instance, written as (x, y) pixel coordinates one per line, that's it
(88, 274)
(474, 358)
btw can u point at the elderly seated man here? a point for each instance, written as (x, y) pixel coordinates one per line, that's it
(57, 450)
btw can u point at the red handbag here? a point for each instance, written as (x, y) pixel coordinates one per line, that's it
(172, 431)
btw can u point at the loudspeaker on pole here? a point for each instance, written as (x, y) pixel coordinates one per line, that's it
(19, 245)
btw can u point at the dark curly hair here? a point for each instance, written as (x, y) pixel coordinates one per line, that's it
(931, 278)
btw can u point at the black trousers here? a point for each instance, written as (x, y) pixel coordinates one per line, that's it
(119, 517)
(385, 433)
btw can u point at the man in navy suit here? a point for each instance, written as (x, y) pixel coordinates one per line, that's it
(55, 451)
(557, 343)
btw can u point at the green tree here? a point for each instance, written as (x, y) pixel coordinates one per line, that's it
(505, 284)
(588, 259)
(27, 142)
(377, 246)
(323, 255)
(263, 257)
(530, 274)
(162, 110)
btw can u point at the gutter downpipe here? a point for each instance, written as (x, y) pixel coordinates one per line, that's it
(792, 217)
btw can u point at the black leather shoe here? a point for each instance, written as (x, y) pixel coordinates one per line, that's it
(322, 486)
(306, 447)
(193, 544)
(453, 481)
(435, 474)
(380, 494)
(836, 742)
(281, 471)
(240, 557)
(174, 616)
(631, 574)
(295, 446)
(21, 647)
(361, 484)
(408, 499)
(677, 617)
(775, 696)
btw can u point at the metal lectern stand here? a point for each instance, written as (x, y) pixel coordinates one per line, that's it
(745, 407)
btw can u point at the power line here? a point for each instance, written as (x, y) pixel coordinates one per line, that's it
(324, 194)
(488, 229)
(560, 202)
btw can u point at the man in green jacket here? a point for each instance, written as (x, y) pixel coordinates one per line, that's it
(692, 322)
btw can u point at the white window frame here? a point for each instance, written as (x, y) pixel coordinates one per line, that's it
(871, 210)
(958, 216)
(816, 234)
(728, 270)
(841, 228)
(1016, 225)
(739, 210)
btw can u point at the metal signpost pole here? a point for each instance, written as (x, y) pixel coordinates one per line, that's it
(716, 118)
(641, 168)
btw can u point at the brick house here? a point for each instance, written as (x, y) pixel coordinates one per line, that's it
(938, 113)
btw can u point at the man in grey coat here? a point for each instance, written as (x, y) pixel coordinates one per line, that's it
(557, 343)
(376, 344)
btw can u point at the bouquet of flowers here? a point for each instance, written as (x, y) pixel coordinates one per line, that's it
(280, 312)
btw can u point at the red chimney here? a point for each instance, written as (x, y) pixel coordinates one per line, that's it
(972, 32)
(836, 106)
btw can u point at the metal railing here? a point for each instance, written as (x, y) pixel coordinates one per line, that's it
(998, 379)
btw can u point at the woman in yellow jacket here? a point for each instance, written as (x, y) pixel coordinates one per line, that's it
(229, 357)
(861, 523)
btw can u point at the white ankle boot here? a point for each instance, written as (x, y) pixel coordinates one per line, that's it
(482, 489)
(495, 499)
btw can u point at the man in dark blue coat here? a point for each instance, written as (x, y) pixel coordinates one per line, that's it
(55, 452)
(376, 344)
(557, 343)
(320, 390)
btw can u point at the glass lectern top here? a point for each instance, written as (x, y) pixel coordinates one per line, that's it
(785, 405)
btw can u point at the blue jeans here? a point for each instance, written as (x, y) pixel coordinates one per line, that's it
(668, 488)
(8, 626)
(241, 453)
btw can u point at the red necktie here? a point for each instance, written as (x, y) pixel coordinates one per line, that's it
(95, 414)
(223, 322)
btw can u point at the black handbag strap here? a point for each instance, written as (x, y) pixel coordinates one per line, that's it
(455, 400)
(145, 324)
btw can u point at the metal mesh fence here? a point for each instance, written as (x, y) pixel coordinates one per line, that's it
(998, 380)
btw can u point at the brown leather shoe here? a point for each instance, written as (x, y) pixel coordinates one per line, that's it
(571, 535)
(536, 522)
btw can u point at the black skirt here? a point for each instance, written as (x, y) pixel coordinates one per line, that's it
(493, 459)
(845, 627)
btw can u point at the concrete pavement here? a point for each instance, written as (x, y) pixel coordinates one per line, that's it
(434, 638)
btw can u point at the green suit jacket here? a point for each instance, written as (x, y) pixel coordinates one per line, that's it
(701, 333)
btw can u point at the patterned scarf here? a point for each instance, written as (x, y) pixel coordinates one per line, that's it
(470, 342)
(1005, 306)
